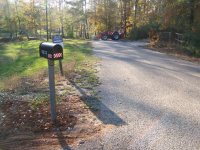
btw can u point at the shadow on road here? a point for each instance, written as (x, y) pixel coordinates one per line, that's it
(150, 61)
(102, 112)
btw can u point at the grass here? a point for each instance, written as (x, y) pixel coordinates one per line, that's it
(38, 101)
(19, 59)
(42, 99)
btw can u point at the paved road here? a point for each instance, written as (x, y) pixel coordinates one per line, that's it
(152, 99)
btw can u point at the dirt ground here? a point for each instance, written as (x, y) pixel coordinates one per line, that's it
(25, 121)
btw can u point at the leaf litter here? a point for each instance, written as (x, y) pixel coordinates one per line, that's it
(23, 126)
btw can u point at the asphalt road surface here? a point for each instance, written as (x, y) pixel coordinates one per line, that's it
(151, 99)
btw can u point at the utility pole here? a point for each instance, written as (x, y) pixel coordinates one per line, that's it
(47, 27)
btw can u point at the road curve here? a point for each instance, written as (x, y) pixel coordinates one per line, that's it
(152, 99)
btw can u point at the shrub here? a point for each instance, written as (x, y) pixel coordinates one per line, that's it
(142, 32)
(193, 39)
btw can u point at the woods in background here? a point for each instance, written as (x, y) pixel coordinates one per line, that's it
(84, 18)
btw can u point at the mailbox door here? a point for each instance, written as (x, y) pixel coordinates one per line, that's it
(57, 52)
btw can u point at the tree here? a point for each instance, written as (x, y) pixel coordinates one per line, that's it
(82, 18)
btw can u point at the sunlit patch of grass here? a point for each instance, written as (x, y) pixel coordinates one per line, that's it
(19, 59)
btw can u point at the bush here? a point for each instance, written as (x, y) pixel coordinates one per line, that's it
(193, 39)
(142, 32)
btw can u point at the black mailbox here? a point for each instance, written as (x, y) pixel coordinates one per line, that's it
(51, 51)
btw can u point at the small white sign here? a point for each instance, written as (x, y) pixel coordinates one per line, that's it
(58, 40)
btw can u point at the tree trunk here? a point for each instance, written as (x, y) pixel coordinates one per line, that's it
(61, 17)
(191, 20)
(125, 17)
(47, 26)
(135, 14)
(18, 18)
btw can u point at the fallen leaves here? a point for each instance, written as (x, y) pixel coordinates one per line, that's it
(20, 115)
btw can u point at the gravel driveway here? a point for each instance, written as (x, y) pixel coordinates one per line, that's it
(151, 100)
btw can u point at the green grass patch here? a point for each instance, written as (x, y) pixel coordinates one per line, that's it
(41, 100)
(22, 58)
